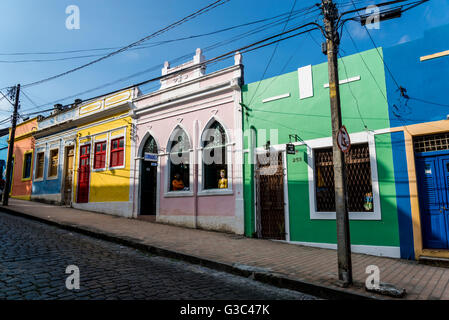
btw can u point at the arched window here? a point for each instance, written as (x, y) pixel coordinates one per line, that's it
(150, 146)
(179, 161)
(215, 162)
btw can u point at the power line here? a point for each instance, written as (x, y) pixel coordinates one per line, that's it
(273, 53)
(245, 49)
(143, 46)
(352, 93)
(154, 34)
(209, 48)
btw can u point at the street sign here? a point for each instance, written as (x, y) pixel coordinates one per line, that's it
(343, 140)
(150, 156)
(290, 148)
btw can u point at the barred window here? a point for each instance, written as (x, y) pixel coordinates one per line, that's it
(358, 179)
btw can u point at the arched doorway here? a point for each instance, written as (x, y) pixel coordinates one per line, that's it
(148, 177)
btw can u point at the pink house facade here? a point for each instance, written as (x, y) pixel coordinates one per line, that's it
(188, 154)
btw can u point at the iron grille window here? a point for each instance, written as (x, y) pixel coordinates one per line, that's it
(434, 142)
(358, 179)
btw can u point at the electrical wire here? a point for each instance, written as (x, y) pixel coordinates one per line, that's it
(182, 58)
(154, 34)
(251, 47)
(143, 46)
(273, 53)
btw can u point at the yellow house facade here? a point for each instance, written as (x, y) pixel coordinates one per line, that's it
(102, 155)
(84, 155)
(103, 147)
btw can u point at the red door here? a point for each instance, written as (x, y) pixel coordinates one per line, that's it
(84, 171)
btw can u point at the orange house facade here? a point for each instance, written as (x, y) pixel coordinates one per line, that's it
(23, 155)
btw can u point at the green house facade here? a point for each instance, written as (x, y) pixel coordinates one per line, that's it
(289, 195)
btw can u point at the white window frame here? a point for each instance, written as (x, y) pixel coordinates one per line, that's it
(175, 194)
(47, 176)
(356, 138)
(109, 149)
(37, 151)
(105, 140)
(228, 145)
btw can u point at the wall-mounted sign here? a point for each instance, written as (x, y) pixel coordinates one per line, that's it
(150, 156)
(343, 140)
(290, 148)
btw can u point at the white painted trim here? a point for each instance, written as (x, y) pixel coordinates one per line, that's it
(282, 96)
(217, 223)
(380, 251)
(138, 167)
(50, 149)
(361, 137)
(356, 78)
(123, 166)
(238, 167)
(116, 208)
(43, 150)
(167, 182)
(229, 153)
(95, 141)
(286, 202)
(305, 82)
(187, 83)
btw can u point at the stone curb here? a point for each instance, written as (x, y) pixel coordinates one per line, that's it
(267, 277)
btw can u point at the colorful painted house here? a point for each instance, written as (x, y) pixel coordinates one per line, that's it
(289, 195)
(188, 155)
(395, 108)
(103, 148)
(83, 155)
(417, 84)
(23, 155)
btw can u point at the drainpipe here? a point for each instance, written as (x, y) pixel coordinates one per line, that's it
(195, 175)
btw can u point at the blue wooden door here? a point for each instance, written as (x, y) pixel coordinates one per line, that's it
(433, 198)
(444, 182)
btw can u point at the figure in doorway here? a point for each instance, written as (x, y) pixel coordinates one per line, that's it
(223, 182)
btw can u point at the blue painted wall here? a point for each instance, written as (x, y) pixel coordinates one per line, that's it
(3, 154)
(426, 100)
(426, 80)
(402, 196)
(48, 185)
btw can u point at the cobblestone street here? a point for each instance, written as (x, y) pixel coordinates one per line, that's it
(34, 257)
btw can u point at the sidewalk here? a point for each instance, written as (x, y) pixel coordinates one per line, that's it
(310, 270)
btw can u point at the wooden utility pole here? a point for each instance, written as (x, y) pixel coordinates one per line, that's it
(330, 14)
(11, 148)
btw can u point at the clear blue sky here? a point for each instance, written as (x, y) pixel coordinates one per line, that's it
(39, 26)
